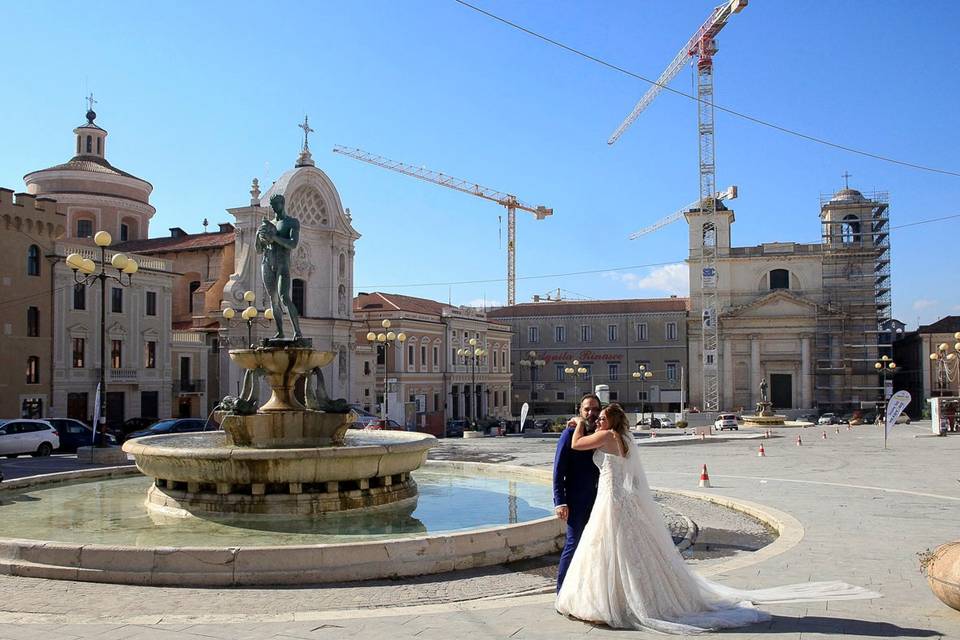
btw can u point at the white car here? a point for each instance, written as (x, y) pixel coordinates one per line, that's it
(23, 436)
(828, 418)
(726, 421)
(666, 423)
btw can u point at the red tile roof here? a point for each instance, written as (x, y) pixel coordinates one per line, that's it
(590, 307)
(378, 301)
(189, 242)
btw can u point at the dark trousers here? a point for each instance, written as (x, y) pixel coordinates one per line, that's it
(576, 522)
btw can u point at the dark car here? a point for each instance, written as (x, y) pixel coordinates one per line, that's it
(173, 425)
(74, 434)
(455, 428)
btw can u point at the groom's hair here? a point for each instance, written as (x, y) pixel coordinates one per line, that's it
(587, 396)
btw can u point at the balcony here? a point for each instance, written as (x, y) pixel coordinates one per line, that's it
(127, 375)
(189, 386)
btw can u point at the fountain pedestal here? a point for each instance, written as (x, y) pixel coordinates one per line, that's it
(764, 416)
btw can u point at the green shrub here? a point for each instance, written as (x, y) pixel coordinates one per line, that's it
(681, 424)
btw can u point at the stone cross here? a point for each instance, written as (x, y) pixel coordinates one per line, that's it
(306, 133)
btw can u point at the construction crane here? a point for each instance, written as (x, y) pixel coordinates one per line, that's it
(702, 46)
(729, 194)
(504, 199)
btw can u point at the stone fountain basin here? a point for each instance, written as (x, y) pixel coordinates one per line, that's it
(208, 457)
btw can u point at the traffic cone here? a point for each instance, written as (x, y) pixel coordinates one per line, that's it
(703, 436)
(653, 435)
(823, 434)
(761, 453)
(799, 442)
(704, 477)
(838, 430)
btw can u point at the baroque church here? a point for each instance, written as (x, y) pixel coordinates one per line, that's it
(165, 337)
(807, 318)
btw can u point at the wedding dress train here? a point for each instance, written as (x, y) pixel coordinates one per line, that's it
(628, 574)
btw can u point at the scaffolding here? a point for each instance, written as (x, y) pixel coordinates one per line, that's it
(855, 307)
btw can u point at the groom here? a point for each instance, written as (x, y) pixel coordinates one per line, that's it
(575, 478)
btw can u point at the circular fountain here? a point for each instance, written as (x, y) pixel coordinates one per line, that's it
(282, 458)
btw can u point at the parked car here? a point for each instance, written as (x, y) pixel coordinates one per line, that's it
(455, 428)
(26, 436)
(664, 423)
(364, 417)
(901, 419)
(828, 418)
(808, 417)
(172, 425)
(74, 433)
(726, 421)
(381, 424)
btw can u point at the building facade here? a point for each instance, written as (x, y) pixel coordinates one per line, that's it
(93, 195)
(917, 373)
(611, 339)
(805, 318)
(427, 382)
(31, 227)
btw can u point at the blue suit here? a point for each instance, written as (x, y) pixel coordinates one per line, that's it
(575, 479)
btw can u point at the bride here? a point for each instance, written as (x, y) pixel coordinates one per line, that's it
(627, 573)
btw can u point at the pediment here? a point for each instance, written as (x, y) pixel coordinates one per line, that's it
(78, 329)
(776, 304)
(117, 329)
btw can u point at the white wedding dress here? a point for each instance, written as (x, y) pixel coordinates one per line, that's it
(628, 574)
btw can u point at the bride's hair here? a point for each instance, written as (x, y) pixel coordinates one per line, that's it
(618, 422)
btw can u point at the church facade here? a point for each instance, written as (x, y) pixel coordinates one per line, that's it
(804, 317)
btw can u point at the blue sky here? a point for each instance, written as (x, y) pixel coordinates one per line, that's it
(199, 98)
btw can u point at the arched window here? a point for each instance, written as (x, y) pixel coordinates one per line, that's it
(124, 232)
(33, 370)
(89, 144)
(779, 279)
(343, 266)
(850, 229)
(709, 234)
(99, 152)
(33, 260)
(78, 144)
(84, 228)
(298, 294)
(193, 289)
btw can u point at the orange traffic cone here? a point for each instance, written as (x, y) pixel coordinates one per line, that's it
(653, 435)
(799, 442)
(703, 436)
(761, 453)
(823, 434)
(704, 477)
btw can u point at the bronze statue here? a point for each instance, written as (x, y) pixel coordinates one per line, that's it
(276, 240)
(763, 390)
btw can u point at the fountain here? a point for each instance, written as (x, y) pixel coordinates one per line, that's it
(764, 416)
(283, 458)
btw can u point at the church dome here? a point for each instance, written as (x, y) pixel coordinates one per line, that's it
(848, 195)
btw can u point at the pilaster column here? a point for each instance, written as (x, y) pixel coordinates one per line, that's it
(727, 379)
(755, 376)
(806, 380)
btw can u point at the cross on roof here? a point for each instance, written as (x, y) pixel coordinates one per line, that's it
(306, 133)
(90, 101)
(846, 175)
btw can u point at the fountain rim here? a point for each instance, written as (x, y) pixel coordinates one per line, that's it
(152, 445)
(298, 564)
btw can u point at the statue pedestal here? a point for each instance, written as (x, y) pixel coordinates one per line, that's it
(286, 429)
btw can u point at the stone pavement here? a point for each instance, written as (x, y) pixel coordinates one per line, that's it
(865, 513)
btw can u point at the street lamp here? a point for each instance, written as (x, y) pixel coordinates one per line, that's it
(885, 367)
(249, 315)
(86, 266)
(473, 352)
(948, 363)
(382, 339)
(576, 370)
(533, 363)
(642, 375)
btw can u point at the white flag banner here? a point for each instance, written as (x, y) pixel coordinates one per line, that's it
(524, 410)
(96, 415)
(898, 402)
